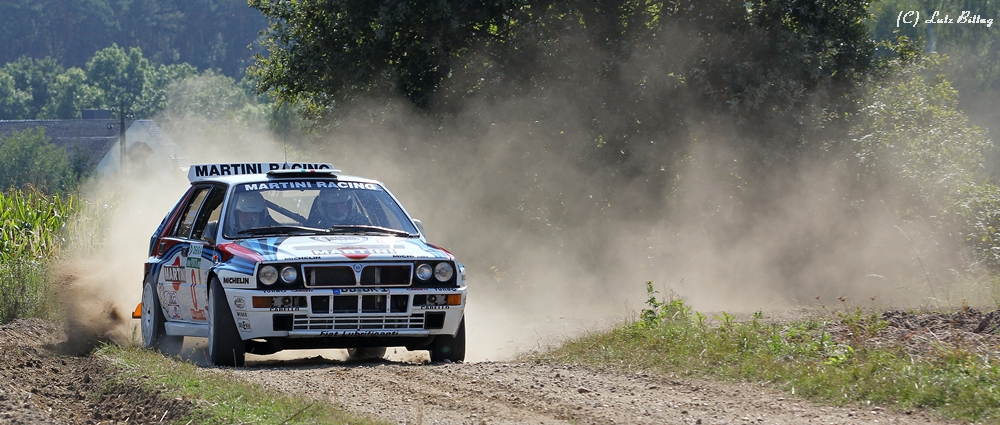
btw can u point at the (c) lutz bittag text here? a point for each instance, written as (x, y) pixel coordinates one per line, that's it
(912, 17)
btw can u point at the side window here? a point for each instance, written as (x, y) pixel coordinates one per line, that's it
(209, 212)
(190, 213)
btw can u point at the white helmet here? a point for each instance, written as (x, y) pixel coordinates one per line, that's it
(248, 211)
(335, 204)
(250, 202)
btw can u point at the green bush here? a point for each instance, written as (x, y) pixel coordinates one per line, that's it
(30, 158)
(916, 154)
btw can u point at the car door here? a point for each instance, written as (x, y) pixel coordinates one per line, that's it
(181, 280)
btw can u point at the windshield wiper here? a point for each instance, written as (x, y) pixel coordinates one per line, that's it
(266, 230)
(369, 230)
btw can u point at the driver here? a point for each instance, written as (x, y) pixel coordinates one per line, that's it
(333, 207)
(251, 212)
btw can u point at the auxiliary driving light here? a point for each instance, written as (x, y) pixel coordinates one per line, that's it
(424, 271)
(288, 274)
(268, 275)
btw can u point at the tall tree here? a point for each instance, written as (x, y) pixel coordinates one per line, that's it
(13, 102)
(782, 70)
(71, 95)
(123, 78)
(37, 77)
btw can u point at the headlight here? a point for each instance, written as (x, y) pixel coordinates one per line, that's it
(268, 275)
(288, 274)
(443, 272)
(424, 271)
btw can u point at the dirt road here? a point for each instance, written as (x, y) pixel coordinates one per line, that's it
(536, 393)
(42, 381)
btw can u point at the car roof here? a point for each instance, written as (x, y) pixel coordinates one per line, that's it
(254, 178)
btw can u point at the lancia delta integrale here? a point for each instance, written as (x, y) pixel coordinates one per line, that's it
(263, 257)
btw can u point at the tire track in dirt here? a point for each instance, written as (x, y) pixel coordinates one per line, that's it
(537, 393)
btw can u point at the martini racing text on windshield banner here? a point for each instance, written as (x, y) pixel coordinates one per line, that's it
(309, 185)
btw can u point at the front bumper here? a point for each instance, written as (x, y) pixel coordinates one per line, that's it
(347, 313)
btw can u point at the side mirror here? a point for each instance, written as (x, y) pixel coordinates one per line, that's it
(211, 231)
(420, 225)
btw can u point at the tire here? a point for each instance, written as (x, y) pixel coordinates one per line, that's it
(449, 348)
(366, 353)
(154, 335)
(225, 347)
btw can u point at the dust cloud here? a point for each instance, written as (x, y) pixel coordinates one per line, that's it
(555, 247)
(556, 243)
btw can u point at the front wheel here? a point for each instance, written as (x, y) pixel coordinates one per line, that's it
(450, 348)
(225, 347)
(154, 335)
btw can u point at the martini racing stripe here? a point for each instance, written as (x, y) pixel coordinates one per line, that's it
(265, 247)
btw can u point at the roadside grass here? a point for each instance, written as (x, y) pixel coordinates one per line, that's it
(220, 399)
(800, 357)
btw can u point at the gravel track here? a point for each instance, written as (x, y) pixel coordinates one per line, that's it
(541, 393)
(45, 379)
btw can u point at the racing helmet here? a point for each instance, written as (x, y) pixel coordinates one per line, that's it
(249, 209)
(335, 204)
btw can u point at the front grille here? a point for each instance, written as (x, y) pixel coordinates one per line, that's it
(330, 276)
(371, 275)
(394, 275)
(413, 321)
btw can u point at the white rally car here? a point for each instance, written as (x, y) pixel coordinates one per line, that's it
(262, 257)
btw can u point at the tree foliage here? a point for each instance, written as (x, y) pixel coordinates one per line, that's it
(41, 89)
(972, 49)
(208, 34)
(915, 148)
(778, 67)
(29, 158)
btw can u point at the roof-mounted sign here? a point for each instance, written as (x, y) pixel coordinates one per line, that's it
(204, 171)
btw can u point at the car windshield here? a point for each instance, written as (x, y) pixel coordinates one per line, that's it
(313, 207)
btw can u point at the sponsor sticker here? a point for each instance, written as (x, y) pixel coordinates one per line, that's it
(231, 280)
(343, 240)
(173, 274)
(195, 250)
(171, 297)
(434, 307)
(202, 171)
(193, 263)
(244, 325)
(285, 308)
(240, 302)
(278, 186)
(359, 333)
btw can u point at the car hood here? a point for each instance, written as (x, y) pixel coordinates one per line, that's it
(342, 248)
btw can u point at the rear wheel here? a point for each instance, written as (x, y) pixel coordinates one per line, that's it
(366, 353)
(450, 348)
(154, 335)
(225, 347)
